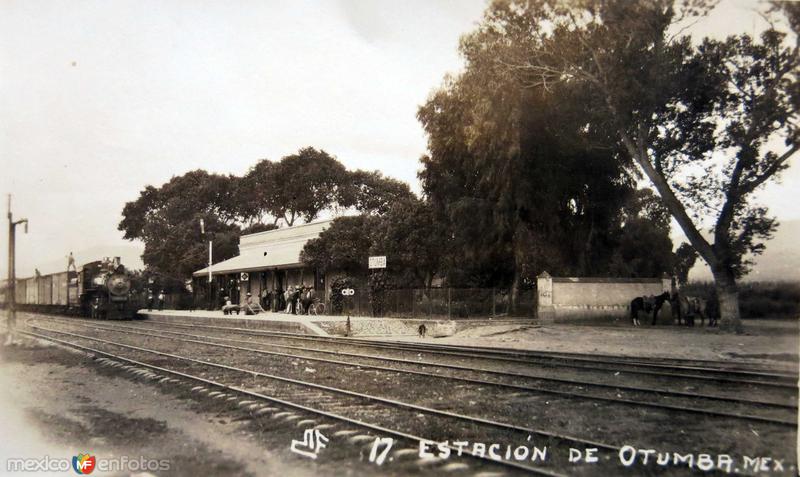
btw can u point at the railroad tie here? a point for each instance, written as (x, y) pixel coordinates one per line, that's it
(454, 467)
(406, 452)
(347, 432)
(361, 438)
(428, 461)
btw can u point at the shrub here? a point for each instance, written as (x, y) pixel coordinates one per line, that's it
(756, 299)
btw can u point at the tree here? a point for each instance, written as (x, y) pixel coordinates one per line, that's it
(413, 241)
(299, 186)
(520, 180)
(407, 235)
(685, 258)
(302, 185)
(372, 193)
(641, 245)
(344, 246)
(167, 220)
(699, 119)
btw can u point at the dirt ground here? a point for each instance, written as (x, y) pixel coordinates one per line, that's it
(53, 404)
(773, 342)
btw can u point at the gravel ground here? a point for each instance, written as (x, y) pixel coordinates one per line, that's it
(95, 410)
(53, 403)
(606, 422)
(772, 342)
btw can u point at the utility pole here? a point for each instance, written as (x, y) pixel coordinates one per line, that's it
(11, 289)
(210, 257)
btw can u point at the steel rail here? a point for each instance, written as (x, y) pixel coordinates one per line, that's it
(475, 353)
(282, 402)
(592, 358)
(463, 368)
(630, 402)
(390, 402)
(605, 359)
(725, 366)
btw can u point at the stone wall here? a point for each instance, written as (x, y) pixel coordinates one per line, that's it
(575, 298)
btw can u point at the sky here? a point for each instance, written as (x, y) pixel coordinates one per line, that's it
(99, 99)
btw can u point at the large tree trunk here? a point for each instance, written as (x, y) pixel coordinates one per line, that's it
(728, 296)
(724, 280)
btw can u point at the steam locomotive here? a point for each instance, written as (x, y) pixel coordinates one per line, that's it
(99, 289)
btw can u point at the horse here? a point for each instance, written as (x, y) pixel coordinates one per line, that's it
(647, 304)
(690, 307)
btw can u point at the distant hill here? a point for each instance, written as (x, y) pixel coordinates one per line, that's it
(779, 262)
(130, 255)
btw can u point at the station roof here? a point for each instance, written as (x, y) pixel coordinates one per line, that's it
(278, 248)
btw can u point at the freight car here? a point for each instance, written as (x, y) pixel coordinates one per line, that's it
(99, 289)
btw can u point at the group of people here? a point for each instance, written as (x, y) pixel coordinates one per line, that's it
(151, 300)
(294, 300)
(297, 301)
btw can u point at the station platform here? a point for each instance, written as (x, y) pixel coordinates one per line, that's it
(330, 325)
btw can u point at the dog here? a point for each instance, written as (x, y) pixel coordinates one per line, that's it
(422, 330)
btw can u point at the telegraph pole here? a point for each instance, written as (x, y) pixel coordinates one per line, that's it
(210, 260)
(11, 289)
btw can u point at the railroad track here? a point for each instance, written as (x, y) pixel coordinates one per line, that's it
(376, 416)
(669, 368)
(783, 385)
(204, 343)
(771, 413)
(680, 402)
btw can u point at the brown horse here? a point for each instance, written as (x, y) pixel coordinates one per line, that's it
(690, 307)
(647, 304)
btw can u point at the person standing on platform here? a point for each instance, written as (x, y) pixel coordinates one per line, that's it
(288, 298)
(296, 299)
(161, 299)
(277, 297)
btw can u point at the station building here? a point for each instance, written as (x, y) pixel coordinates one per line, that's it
(267, 261)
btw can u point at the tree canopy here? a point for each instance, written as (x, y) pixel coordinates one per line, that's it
(701, 118)
(167, 220)
(299, 187)
(525, 186)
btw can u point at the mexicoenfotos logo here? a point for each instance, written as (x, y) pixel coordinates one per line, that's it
(84, 463)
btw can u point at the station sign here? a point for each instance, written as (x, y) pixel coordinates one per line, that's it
(377, 262)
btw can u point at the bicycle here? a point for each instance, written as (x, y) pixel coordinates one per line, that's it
(316, 307)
